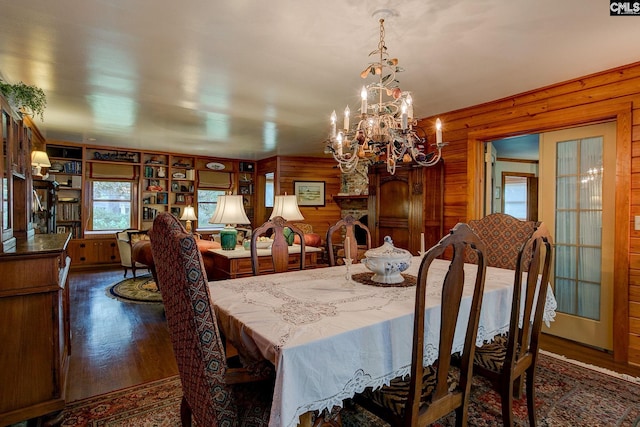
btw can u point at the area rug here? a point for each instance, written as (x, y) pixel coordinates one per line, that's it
(140, 290)
(567, 394)
(155, 403)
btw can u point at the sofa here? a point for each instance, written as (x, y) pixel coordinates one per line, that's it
(141, 252)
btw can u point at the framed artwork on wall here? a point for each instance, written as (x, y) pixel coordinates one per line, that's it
(309, 193)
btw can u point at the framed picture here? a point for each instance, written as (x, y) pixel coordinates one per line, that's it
(309, 193)
(61, 229)
(161, 198)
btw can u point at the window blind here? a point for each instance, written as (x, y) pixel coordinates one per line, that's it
(111, 171)
(212, 179)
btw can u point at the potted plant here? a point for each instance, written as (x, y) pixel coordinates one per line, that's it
(25, 98)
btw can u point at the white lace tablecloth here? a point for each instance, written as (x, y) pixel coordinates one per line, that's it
(328, 341)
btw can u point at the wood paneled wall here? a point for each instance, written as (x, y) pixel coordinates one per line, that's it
(290, 169)
(611, 94)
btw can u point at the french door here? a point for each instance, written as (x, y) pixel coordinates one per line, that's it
(577, 203)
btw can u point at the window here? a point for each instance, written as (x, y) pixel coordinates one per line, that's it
(207, 203)
(111, 203)
(269, 190)
(520, 195)
(515, 196)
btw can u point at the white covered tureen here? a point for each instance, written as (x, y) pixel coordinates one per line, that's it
(387, 262)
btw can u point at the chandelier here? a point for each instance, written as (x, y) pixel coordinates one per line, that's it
(386, 130)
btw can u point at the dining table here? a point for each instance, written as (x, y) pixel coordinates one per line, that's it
(330, 336)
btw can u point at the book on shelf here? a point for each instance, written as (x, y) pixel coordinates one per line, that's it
(149, 213)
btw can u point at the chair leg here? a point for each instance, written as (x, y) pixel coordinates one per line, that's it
(125, 272)
(462, 413)
(518, 388)
(531, 395)
(185, 413)
(506, 395)
(133, 269)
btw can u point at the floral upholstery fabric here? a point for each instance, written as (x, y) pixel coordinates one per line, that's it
(393, 397)
(503, 236)
(195, 336)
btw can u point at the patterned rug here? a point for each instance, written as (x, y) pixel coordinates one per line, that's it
(141, 290)
(568, 394)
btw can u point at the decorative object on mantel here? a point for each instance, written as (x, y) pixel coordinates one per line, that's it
(27, 99)
(229, 210)
(386, 131)
(387, 262)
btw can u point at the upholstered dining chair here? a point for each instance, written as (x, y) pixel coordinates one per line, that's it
(503, 236)
(433, 391)
(348, 223)
(213, 393)
(509, 358)
(125, 240)
(279, 247)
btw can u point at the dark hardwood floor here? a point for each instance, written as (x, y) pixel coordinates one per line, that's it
(114, 344)
(117, 344)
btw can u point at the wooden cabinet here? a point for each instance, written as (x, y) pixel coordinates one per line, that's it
(35, 333)
(94, 252)
(237, 263)
(406, 204)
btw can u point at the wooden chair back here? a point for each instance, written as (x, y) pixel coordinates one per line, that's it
(196, 339)
(508, 359)
(503, 236)
(279, 248)
(348, 223)
(430, 393)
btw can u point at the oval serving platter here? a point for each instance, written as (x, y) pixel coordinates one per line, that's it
(215, 166)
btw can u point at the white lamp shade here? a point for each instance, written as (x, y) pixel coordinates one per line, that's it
(286, 207)
(229, 210)
(189, 214)
(40, 158)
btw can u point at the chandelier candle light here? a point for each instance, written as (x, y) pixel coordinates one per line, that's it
(386, 129)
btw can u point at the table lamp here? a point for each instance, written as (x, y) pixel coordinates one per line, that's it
(189, 215)
(229, 210)
(287, 207)
(39, 160)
